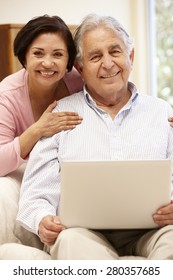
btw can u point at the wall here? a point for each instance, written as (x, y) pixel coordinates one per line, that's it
(72, 11)
(132, 14)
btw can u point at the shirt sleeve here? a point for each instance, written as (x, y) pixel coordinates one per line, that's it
(170, 144)
(40, 190)
(10, 158)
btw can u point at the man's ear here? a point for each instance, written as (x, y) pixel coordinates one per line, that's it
(132, 56)
(78, 67)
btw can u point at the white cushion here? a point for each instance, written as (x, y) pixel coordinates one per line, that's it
(12, 251)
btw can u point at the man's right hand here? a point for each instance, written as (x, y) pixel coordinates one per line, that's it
(49, 229)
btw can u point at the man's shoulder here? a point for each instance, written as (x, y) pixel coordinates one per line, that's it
(154, 104)
(72, 103)
(153, 100)
(76, 97)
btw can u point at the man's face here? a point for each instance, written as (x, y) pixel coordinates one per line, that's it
(106, 64)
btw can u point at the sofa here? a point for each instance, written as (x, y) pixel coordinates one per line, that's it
(16, 243)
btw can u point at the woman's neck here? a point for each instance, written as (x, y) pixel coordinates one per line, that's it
(41, 98)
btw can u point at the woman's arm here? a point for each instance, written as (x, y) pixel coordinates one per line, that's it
(48, 124)
(17, 140)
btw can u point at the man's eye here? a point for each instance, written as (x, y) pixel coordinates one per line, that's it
(95, 58)
(115, 52)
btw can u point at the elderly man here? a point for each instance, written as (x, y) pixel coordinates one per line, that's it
(118, 123)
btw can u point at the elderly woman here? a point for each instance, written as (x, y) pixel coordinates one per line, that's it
(45, 48)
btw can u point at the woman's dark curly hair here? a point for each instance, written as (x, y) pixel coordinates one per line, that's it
(40, 25)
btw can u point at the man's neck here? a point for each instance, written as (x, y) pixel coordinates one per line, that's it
(113, 106)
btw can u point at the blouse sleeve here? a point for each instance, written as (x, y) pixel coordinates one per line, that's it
(10, 158)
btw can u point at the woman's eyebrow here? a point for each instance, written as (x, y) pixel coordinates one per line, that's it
(42, 49)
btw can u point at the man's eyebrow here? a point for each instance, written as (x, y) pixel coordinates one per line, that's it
(97, 51)
(93, 52)
(115, 45)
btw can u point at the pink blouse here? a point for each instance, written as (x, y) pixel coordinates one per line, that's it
(16, 115)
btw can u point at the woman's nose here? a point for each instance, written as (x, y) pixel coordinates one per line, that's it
(48, 62)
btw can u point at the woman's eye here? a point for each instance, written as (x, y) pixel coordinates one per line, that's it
(38, 53)
(58, 54)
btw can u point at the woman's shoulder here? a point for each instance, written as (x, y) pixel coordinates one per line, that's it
(13, 81)
(13, 89)
(73, 81)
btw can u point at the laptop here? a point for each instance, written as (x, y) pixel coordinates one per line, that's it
(114, 194)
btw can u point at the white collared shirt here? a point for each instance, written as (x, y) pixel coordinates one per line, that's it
(139, 131)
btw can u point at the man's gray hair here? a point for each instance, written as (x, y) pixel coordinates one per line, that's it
(93, 21)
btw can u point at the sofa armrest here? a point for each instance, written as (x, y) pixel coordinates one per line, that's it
(11, 232)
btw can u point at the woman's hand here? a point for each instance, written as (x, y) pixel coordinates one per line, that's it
(54, 122)
(48, 124)
(170, 120)
(49, 229)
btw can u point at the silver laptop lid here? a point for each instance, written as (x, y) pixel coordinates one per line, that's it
(113, 194)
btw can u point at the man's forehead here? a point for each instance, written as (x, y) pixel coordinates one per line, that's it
(99, 36)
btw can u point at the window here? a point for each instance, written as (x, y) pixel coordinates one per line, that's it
(161, 37)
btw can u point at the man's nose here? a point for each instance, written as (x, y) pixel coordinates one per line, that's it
(107, 61)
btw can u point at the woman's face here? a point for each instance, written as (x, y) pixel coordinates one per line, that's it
(47, 59)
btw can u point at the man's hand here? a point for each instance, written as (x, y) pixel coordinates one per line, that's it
(164, 215)
(49, 229)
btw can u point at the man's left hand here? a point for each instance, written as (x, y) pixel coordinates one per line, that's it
(164, 215)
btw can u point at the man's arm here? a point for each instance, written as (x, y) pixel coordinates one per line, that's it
(40, 188)
(164, 215)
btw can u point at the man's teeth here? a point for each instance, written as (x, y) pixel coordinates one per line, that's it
(46, 73)
(109, 76)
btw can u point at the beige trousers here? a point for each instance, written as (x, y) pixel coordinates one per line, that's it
(83, 244)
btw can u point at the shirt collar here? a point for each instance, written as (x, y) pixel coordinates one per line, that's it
(131, 87)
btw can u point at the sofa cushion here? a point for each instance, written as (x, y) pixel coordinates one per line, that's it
(12, 251)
